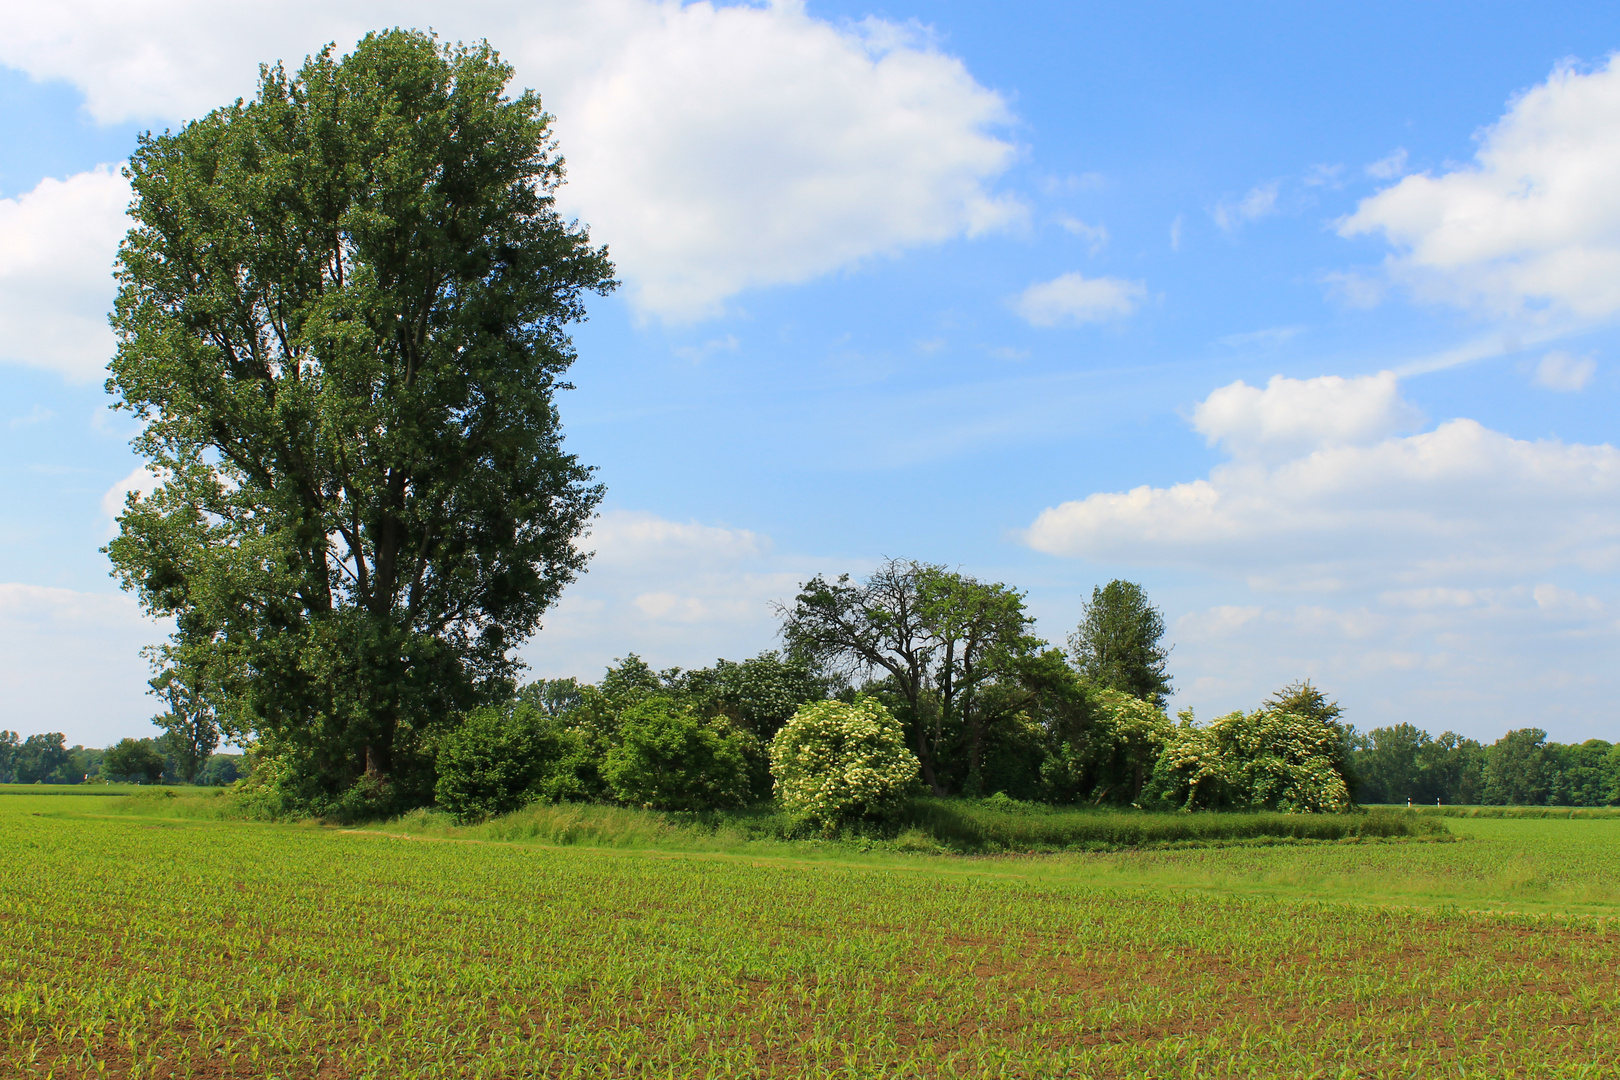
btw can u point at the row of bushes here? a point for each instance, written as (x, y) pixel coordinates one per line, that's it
(836, 761)
(833, 762)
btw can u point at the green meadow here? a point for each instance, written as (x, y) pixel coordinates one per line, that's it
(154, 937)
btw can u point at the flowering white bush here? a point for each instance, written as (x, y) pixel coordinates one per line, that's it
(1261, 760)
(834, 762)
(1127, 737)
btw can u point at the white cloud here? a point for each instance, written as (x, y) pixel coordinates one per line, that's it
(677, 593)
(1388, 168)
(1354, 289)
(1558, 370)
(1320, 495)
(1295, 416)
(1532, 225)
(1323, 176)
(1475, 664)
(1558, 601)
(1260, 202)
(1433, 597)
(626, 539)
(1271, 335)
(715, 149)
(141, 480)
(57, 246)
(699, 353)
(1095, 236)
(39, 414)
(1073, 183)
(1074, 299)
(70, 661)
(1175, 234)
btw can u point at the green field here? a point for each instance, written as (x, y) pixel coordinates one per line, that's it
(137, 942)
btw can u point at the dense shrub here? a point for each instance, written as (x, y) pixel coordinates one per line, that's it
(1264, 760)
(502, 759)
(835, 761)
(134, 759)
(669, 758)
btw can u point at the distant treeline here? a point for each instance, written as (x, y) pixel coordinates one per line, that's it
(47, 759)
(1394, 764)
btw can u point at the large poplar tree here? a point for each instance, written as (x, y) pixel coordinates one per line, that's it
(342, 321)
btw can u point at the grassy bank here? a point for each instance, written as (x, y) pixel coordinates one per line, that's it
(925, 825)
(955, 826)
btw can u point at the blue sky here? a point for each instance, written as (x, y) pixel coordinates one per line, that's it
(1304, 317)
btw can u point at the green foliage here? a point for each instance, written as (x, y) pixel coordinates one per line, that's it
(1126, 741)
(1520, 769)
(342, 323)
(1119, 643)
(836, 762)
(1516, 769)
(10, 745)
(1263, 760)
(134, 759)
(670, 758)
(758, 695)
(500, 759)
(43, 759)
(1583, 775)
(1401, 763)
(190, 726)
(220, 770)
(941, 641)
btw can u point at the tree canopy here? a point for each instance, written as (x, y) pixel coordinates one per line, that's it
(1119, 643)
(342, 321)
(941, 638)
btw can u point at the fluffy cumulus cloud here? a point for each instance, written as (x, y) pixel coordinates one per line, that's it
(715, 149)
(1260, 202)
(1559, 370)
(1291, 416)
(1476, 661)
(1532, 224)
(1074, 300)
(677, 593)
(1320, 493)
(57, 245)
(1454, 577)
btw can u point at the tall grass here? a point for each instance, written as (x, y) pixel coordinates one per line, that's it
(1005, 825)
(960, 826)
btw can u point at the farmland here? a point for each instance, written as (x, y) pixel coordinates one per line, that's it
(138, 942)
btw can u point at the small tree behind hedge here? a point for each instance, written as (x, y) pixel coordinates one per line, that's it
(670, 758)
(835, 762)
